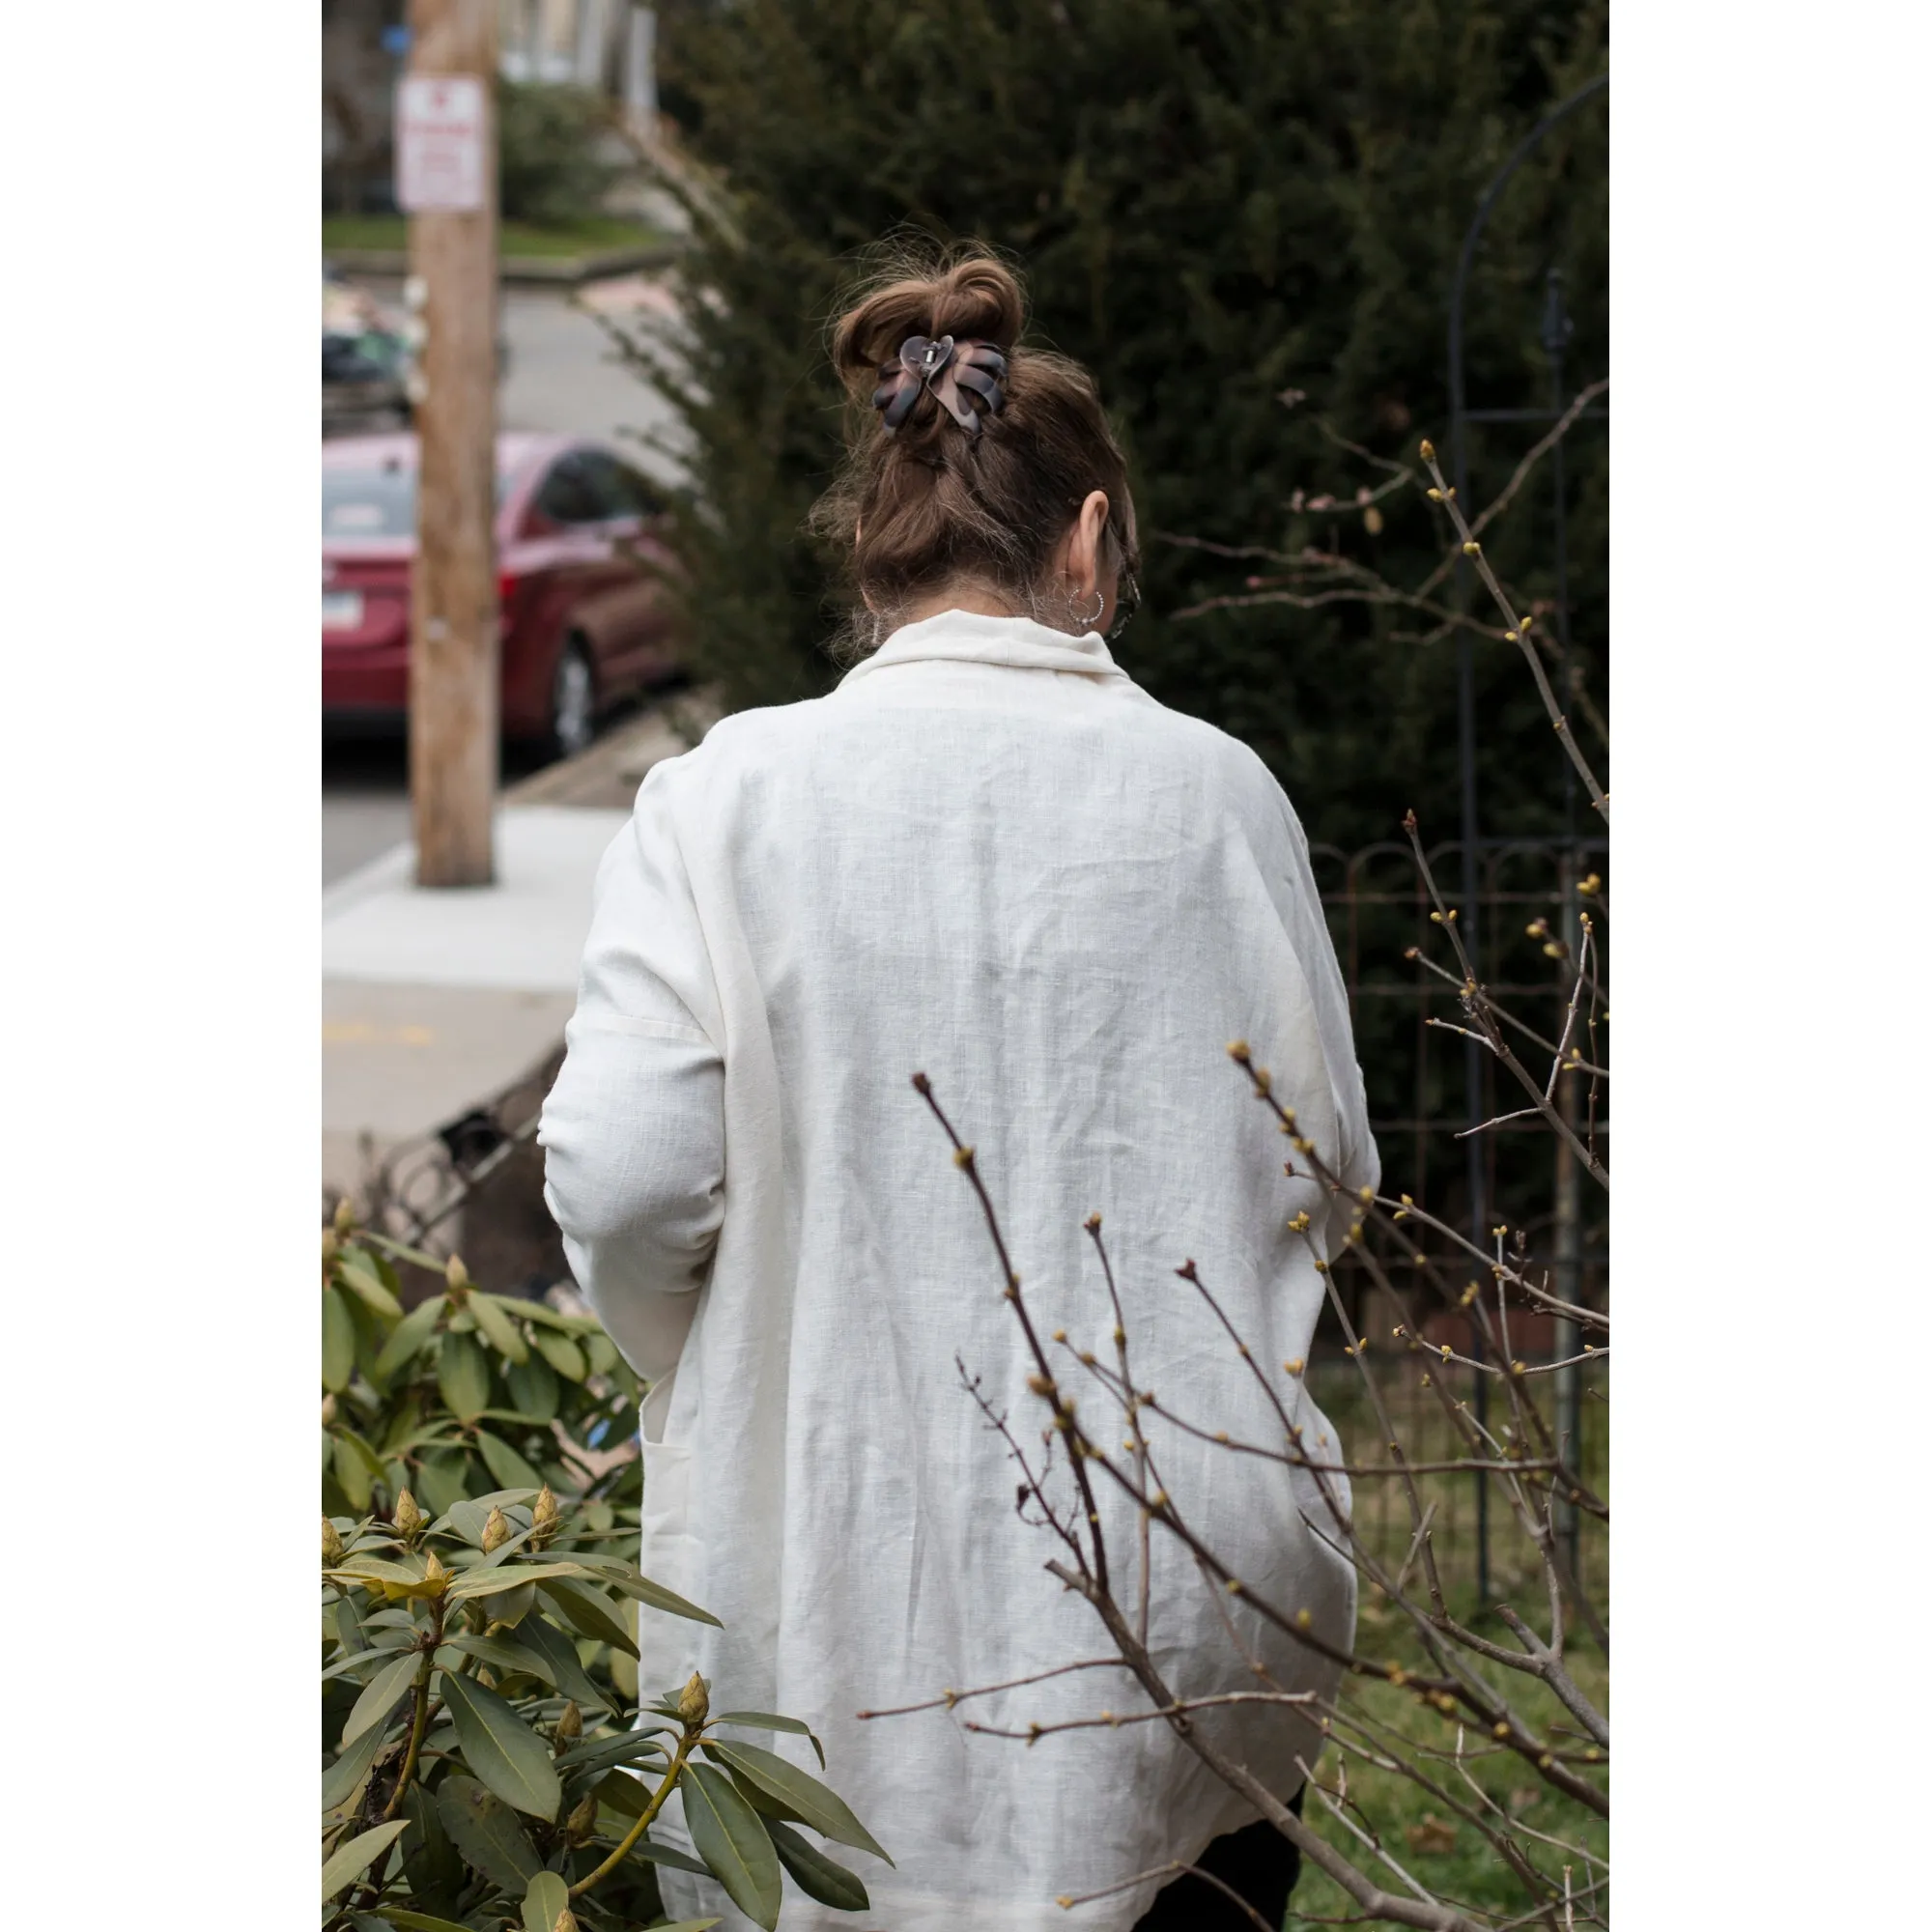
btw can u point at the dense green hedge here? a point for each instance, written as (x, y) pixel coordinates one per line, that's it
(1214, 203)
(550, 170)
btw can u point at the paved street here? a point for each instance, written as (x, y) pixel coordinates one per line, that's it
(434, 1001)
(561, 377)
(563, 374)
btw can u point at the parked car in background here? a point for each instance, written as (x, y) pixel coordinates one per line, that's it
(582, 560)
(366, 357)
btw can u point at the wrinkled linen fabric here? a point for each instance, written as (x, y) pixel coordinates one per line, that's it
(990, 856)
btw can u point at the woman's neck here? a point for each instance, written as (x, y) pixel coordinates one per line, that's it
(977, 600)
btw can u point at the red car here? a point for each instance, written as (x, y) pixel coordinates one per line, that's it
(579, 548)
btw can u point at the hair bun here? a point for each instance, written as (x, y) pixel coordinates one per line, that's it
(971, 298)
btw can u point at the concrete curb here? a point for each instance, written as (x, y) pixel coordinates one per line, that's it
(531, 271)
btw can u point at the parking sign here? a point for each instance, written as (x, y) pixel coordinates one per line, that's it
(439, 144)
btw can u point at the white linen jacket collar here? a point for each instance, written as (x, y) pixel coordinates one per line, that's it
(966, 636)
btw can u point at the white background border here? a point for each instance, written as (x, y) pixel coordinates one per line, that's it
(161, 790)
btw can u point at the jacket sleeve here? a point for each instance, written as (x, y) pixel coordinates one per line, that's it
(1357, 1163)
(634, 1130)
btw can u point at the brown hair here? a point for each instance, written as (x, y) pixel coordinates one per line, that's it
(928, 504)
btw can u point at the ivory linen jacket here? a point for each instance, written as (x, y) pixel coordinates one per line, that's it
(988, 857)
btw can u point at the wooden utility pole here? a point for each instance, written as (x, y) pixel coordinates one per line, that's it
(447, 181)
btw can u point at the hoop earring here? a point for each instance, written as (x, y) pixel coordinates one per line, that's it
(1099, 604)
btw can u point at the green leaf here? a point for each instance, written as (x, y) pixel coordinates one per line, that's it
(349, 1621)
(341, 1779)
(501, 1333)
(534, 1388)
(421, 1921)
(588, 1612)
(548, 1896)
(765, 1804)
(567, 1671)
(487, 1834)
(487, 1580)
(547, 1316)
(501, 1654)
(563, 1354)
(410, 1335)
(616, 1571)
(372, 1331)
(379, 1568)
(463, 1374)
(435, 1871)
(358, 1273)
(338, 1342)
(385, 1691)
(504, 1463)
(442, 1480)
(353, 1473)
(500, 1749)
(818, 1877)
(730, 1837)
(615, 1795)
(351, 1861)
(601, 1353)
(512, 1608)
(823, 1809)
(602, 1753)
(688, 1925)
(356, 1659)
(365, 1452)
(767, 1720)
(470, 1515)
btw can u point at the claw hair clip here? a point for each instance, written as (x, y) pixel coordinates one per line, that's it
(946, 367)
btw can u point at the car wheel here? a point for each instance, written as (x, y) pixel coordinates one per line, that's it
(573, 702)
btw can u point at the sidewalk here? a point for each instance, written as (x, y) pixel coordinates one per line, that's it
(432, 1002)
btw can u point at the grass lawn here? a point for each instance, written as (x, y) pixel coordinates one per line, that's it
(1439, 1849)
(594, 235)
(1423, 1833)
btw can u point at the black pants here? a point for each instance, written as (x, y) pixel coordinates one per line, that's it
(1257, 1862)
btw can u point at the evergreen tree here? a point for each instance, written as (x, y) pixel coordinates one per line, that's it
(1216, 202)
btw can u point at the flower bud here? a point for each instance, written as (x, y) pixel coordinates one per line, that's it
(435, 1575)
(569, 1726)
(694, 1704)
(345, 1215)
(407, 1515)
(327, 1410)
(566, 1921)
(583, 1822)
(331, 1248)
(331, 1543)
(543, 1518)
(1428, 450)
(495, 1531)
(457, 1279)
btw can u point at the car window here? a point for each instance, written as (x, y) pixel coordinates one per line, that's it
(369, 502)
(380, 501)
(619, 487)
(570, 495)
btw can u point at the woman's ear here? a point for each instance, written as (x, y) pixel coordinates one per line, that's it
(1086, 546)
